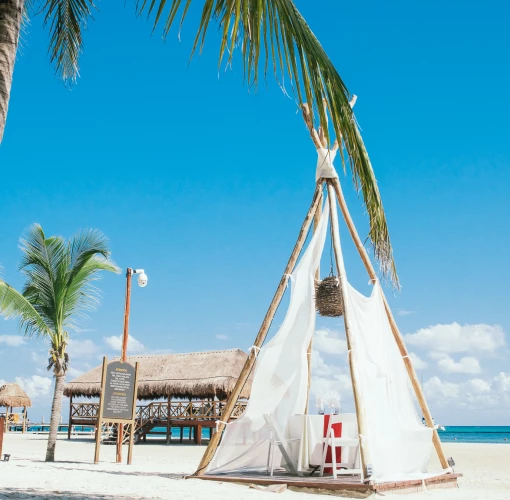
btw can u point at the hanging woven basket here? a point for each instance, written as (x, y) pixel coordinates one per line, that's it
(328, 297)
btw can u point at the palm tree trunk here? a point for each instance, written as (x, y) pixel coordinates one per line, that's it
(56, 407)
(11, 13)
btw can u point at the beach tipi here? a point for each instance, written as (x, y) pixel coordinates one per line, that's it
(394, 444)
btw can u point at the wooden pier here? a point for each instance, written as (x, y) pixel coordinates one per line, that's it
(195, 415)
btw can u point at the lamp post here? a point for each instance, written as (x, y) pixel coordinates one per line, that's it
(142, 282)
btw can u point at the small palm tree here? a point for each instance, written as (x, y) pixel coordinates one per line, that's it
(58, 291)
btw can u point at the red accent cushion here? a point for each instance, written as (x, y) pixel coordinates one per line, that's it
(337, 430)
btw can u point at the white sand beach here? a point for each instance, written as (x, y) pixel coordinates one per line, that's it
(157, 472)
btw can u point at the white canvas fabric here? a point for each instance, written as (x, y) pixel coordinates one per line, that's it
(325, 168)
(281, 372)
(397, 444)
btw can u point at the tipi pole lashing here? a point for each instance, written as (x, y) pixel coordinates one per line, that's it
(250, 361)
(394, 328)
(358, 402)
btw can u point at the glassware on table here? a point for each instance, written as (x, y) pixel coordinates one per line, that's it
(334, 404)
(319, 403)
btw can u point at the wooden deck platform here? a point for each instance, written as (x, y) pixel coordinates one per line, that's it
(343, 486)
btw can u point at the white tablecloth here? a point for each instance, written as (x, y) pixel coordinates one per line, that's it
(309, 429)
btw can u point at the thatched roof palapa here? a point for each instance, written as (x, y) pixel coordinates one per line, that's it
(13, 395)
(187, 375)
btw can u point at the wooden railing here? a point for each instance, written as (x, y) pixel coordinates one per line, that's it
(176, 410)
(84, 410)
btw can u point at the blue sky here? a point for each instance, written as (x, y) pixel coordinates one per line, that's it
(201, 180)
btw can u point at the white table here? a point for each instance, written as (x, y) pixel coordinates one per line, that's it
(310, 429)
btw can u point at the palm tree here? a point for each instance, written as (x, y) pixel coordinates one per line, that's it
(266, 33)
(58, 290)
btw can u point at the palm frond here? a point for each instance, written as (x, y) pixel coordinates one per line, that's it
(86, 244)
(273, 31)
(88, 256)
(81, 294)
(15, 305)
(67, 19)
(44, 263)
(59, 274)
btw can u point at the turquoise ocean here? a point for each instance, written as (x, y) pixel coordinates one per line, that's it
(475, 434)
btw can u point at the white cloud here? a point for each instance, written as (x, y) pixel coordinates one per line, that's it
(404, 312)
(115, 343)
(454, 338)
(320, 368)
(466, 364)
(40, 362)
(337, 387)
(435, 388)
(477, 386)
(418, 363)
(502, 382)
(328, 342)
(35, 386)
(330, 375)
(73, 372)
(82, 348)
(329, 381)
(474, 394)
(220, 336)
(12, 340)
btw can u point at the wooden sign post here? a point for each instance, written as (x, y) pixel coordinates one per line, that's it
(117, 403)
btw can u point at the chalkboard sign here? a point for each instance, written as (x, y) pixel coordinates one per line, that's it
(119, 391)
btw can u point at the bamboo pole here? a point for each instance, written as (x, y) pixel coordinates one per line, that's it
(320, 140)
(358, 398)
(394, 328)
(245, 372)
(307, 116)
(316, 219)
